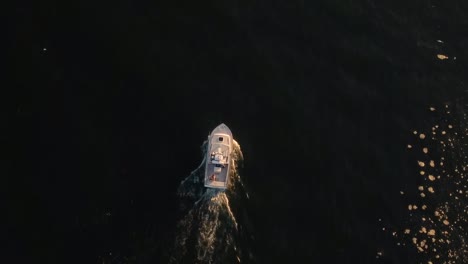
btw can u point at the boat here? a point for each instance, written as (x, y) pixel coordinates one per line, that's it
(218, 157)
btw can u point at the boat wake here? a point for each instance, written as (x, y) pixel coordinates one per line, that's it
(208, 231)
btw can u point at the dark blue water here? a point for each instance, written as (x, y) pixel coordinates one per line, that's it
(112, 101)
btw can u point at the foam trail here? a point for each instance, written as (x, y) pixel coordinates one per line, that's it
(208, 229)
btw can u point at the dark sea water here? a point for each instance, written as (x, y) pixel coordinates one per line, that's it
(113, 102)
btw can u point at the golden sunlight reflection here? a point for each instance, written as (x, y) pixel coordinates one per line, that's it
(439, 231)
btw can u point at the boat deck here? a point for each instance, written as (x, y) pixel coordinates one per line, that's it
(221, 178)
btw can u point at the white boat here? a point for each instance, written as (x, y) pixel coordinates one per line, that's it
(218, 157)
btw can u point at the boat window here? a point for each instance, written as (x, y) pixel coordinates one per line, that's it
(220, 139)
